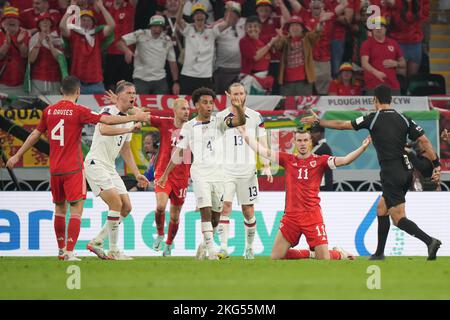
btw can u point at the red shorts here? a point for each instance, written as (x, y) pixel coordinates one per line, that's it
(175, 189)
(292, 230)
(70, 187)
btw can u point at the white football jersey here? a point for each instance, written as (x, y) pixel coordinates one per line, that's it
(106, 149)
(205, 141)
(239, 159)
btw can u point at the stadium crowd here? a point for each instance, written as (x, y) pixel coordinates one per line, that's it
(287, 47)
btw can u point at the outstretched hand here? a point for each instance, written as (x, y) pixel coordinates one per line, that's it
(366, 142)
(310, 119)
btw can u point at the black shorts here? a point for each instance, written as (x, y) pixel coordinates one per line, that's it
(395, 182)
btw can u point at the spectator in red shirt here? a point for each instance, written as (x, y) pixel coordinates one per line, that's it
(297, 73)
(45, 50)
(13, 52)
(116, 68)
(255, 58)
(345, 84)
(86, 48)
(406, 23)
(31, 15)
(381, 56)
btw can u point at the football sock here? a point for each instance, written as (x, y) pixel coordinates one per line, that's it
(104, 232)
(172, 232)
(59, 225)
(384, 225)
(73, 231)
(250, 230)
(224, 230)
(334, 255)
(297, 254)
(208, 241)
(412, 228)
(160, 218)
(112, 224)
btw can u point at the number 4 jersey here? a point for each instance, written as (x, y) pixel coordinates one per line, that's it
(63, 122)
(105, 149)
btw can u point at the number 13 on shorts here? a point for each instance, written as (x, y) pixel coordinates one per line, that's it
(321, 231)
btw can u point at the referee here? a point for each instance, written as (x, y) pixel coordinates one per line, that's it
(389, 130)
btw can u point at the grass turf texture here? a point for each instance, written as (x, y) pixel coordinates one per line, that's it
(234, 278)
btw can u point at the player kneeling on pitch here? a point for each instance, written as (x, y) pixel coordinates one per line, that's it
(302, 213)
(108, 142)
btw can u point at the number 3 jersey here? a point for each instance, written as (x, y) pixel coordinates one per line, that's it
(303, 178)
(168, 138)
(105, 149)
(64, 122)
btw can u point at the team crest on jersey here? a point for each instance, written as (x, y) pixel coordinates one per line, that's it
(313, 163)
(121, 16)
(391, 48)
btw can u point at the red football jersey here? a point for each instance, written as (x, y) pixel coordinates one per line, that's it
(64, 122)
(169, 136)
(303, 178)
(124, 19)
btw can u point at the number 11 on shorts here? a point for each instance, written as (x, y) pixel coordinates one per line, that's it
(323, 234)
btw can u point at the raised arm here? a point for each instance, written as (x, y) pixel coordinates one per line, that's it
(266, 162)
(352, 156)
(63, 25)
(257, 147)
(238, 104)
(139, 116)
(180, 21)
(110, 23)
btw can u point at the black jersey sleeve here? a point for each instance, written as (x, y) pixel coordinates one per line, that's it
(363, 122)
(414, 130)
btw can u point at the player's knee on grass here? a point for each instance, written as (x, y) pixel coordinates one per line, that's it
(322, 253)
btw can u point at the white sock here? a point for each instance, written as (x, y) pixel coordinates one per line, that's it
(250, 230)
(101, 236)
(312, 255)
(224, 231)
(208, 241)
(112, 225)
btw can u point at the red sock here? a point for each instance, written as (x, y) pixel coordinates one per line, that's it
(172, 232)
(73, 231)
(159, 219)
(59, 224)
(334, 255)
(297, 254)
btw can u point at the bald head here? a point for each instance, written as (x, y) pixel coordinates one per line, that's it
(181, 109)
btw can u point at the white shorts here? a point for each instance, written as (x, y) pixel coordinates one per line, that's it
(246, 190)
(208, 194)
(100, 178)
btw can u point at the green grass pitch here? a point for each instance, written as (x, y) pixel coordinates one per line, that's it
(234, 278)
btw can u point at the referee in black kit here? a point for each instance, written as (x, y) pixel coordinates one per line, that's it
(388, 130)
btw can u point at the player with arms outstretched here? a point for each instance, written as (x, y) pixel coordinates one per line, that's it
(241, 173)
(108, 142)
(302, 214)
(178, 180)
(64, 121)
(203, 135)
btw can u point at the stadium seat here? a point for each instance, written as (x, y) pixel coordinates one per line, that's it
(426, 85)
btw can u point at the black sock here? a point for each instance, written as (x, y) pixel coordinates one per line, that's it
(412, 228)
(384, 225)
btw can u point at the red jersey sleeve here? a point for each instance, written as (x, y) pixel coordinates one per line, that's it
(87, 116)
(156, 121)
(365, 49)
(283, 158)
(328, 162)
(42, 126)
